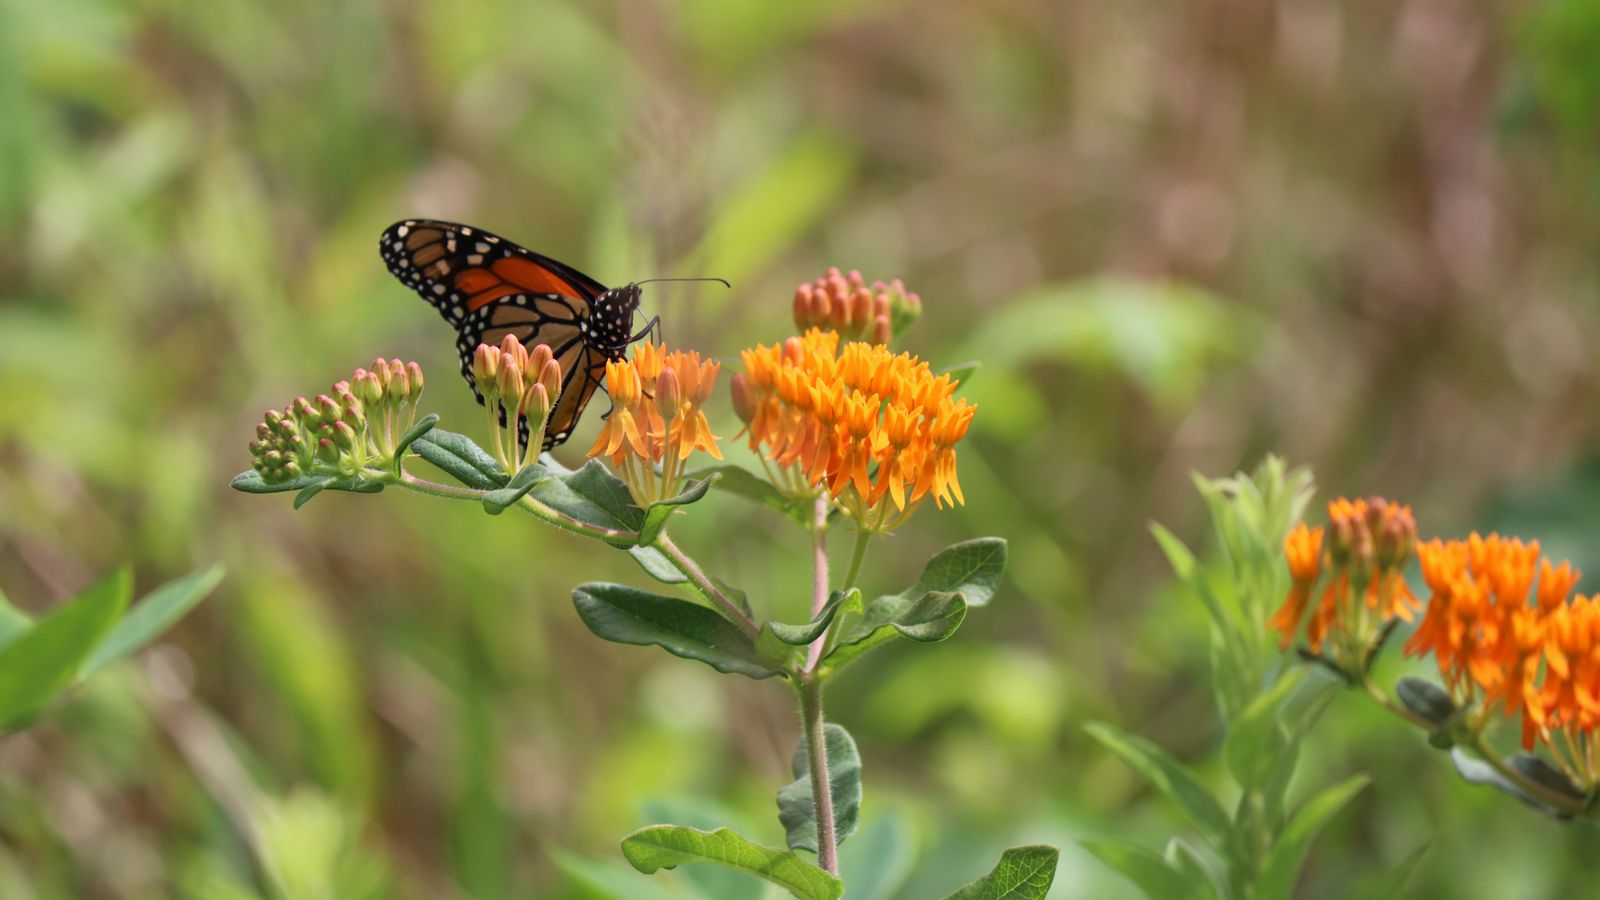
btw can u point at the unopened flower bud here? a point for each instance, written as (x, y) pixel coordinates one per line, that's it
(380, 367)
(367, 388)
(802, 306)
(537, 357)
(328, 408)
(399, 381)
(550, 378)
(326, 451)
(744, 400)
(272, 418)
(354, 416)
(414, 374)
(486, 366)
(510, 382)
(536, 403)
(794, 351)
(514, 351)
(344, 437)
(291, 470)
(263, 433)
(305, 412)
(667, 394)
(881, 330)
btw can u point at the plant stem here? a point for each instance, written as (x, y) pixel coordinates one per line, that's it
(858, 555)
(692, 571)
(819, 577)
(1512, 774)
(435, 489)
(540, 510)
(821, 786)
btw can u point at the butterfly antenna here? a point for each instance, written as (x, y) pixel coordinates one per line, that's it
(721, 281)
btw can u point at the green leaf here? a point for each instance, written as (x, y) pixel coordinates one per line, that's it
(462, 459)
(154, 614)
(880, 860)
(970, 568)
(1477, 771)
(250, 482)
(934, 617)
(1389, 884)
(659, 847)
(744, 483)
(496, 501)
(1024, 873)
(1282, 866)
(805, 634)
(13, 622)
(656, 565)
(1179, 556)
(961, 373)
(608, 880)
(35, 667)
(311, 490)
(1168, 776)
(1183, 858)
(422, 427)
(1143, 867)
(595, 496)
(655, 518)
(1257, 738)
(796, 809)
(1426, 699)
(354, 484)
(630, 616)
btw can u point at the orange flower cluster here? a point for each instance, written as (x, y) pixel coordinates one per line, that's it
(1501, 627)
(875, 429)
(1369, 542)
(658, 420)
(844, 303)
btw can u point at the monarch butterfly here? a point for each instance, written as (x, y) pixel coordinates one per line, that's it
(487, 287)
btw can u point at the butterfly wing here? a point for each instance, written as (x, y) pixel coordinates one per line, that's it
(488, 288)
(461, 270)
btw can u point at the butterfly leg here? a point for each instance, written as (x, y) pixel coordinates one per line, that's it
(652, 327)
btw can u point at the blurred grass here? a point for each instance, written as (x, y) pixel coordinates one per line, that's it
(1177, 235)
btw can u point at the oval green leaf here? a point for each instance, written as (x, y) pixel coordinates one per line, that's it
(1023, 873)
(627, 615)
(35, 667)
(657, 847)
(797, 809)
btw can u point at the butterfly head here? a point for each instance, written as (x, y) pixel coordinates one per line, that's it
(611, 321)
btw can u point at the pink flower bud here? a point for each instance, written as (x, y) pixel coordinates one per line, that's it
(550, 378)
(667, 394)
(744, 399)
(510, 382)
(414, 373)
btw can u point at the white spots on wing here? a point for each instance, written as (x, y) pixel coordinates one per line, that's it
(438, 289)
(402, 231)
(398, 245)
(481, 247)
(465, 230)
(475, 259)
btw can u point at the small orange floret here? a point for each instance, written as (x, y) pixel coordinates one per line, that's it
(658, 420)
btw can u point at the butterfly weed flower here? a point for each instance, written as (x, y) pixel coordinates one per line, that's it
(357, 424)
(844, 303)
(1505, 631)
(1358, 562)
(874, 430)
(658, 419)
(519, 388)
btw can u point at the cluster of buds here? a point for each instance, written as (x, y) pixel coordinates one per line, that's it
(875, 429)
(519, 388)
(1501, 626)
(657, 419)
(357, 424)
(1360, 567)
(845, 304)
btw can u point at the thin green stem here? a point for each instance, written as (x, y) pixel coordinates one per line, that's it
(1514, 775)
(858, 555)
(697, 577)
(435, 489)
(1384, 701)
(821, 785)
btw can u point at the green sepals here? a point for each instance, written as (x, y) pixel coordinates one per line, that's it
(1281, 869)
(1145, 868)
(655, 517)
(40, 663)
(462, 459)
(627, 615)
(744, 483)
(1023, 873)
(933, 617)
(797, 809)
(1475, 770)
(151, 617)
(1170, 777)
(659, 847)
(496, 501)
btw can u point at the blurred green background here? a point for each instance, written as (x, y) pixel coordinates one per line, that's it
(1359, 234)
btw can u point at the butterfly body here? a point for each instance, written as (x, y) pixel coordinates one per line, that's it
(487, 288)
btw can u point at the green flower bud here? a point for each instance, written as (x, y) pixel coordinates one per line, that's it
(367, 388)
(344, 437)
(399, 381)
(414, 373)
(328, 409)
(326, 451)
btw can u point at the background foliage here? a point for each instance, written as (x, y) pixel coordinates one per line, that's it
(1179, 235)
